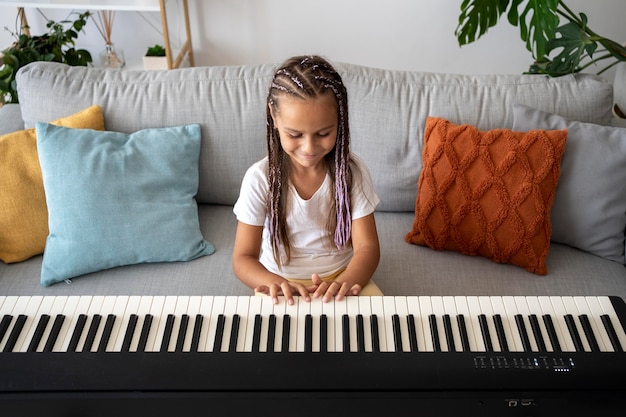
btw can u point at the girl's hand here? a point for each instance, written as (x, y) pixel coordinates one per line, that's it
(286, 288)
(333, 289)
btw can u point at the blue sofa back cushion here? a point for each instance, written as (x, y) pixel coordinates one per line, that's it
(118, 199)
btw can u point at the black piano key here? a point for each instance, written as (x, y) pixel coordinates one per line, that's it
(91, 333)
(4, 325)
(521, 328)
(465, 344)
(360, 333)
(591, 338)
(534, 325)
(219, 333)
(256, 334)
(345, 324)
(271, 333)
(308, 333)
(375, 334)
(573, 331)
(15, 333)
(38, 334)
(432, 321)
(145, 332)
(323, 333)
(608, 325)
(234, 333)
(54, 333)
(484, 330)
(504, 345)
(286, 331)
(554, 340)
(197, 329)
(182, 332)
(106, 333)
(397, 334)
(130, 331)
(77, 333)
(410, 322)
(447, 326)
(167, 333)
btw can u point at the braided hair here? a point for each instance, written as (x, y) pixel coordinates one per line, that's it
(308, 77)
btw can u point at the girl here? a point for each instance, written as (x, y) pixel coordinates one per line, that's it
(306, 212)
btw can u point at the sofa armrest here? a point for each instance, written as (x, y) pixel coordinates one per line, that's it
(10, 118)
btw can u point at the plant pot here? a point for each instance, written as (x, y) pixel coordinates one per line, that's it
(155, 62)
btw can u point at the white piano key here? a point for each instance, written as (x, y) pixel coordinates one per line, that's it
(341, 308)
(37, 307)
(426, 309)
(14, 306)
(328, 309)
(193, 309)
(353, 311)
(534, 307)
(486, 308)
(439, 311)
(379, 311)
(413, 307)
(217, 308)
(571, 308)
(462, 308)
(389, 306)
(608, 309)
(243, 304)
(56, 309)
(267, 309)
(521, 304)
(365, 309)
(254, 308)
(107, 306)
(402, 311)
(117, 333)
(317, 309)
(279, 312)
(499, 308)
(230, 309)
(292, 311)
(513, 336)
(206, 306)
(144, 309)
(449, 305)
(601, 336)
(94, 308)
(158, 311)
(473, 305)
(557, 311)
(298, 332)
(181, 304)
(74, 307)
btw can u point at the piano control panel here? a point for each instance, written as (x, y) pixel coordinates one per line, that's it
(556, 364)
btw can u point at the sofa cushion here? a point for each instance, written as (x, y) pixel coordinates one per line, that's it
(589, 210)
(23, 211)
(488, 193)
(116, 199)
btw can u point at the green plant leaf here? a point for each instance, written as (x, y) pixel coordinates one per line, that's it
(538, 23)
(476, 17)
(574, 45)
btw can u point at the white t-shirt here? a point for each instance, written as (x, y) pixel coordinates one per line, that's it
(311, 249)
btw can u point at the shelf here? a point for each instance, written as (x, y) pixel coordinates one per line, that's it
(119, 5)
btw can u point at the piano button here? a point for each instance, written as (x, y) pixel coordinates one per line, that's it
(167, 333)
(271, 333)
(610, 329)
(345, 332)
(521, 328)
(573, 331)
(447, 325)
(504, 345)
(375, 333)
(552, 333)
(197, 333)
(465, 341)
(182, 333)
(537, 335)
(38, 334)
(308, 333)
(432, 322)
(219, 333)
(54, 333)
(130, 331)
(145, 333)
(397, 335)
(77, 333)
(92, 332)
(588, 331)
(324, 333)
(286, 330)
(256, 335)
(106, 333)
(234, 333)
(484, 329)
(412, 333)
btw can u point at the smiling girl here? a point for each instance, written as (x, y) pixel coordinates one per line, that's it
(306, 212)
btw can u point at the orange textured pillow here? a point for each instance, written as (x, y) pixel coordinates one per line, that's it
(488, 193)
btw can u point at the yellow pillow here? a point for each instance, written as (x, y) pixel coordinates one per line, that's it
(23, 210)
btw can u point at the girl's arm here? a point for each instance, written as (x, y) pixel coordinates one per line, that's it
(362, 265)
(251, 272)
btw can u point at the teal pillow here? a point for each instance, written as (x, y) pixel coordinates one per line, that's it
(116, 199)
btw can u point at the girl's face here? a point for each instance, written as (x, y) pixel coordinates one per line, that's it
(307, 128)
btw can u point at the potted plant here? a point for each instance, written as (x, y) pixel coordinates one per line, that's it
(57, 45)
(556, 50)
(155, 58)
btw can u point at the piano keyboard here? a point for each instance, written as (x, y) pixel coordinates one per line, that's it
(357, 324)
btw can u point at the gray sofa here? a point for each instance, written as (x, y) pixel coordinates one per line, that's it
(388, 110)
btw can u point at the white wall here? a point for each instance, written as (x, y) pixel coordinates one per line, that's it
(395, 34)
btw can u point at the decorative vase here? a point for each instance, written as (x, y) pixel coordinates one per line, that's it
(112, 58)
